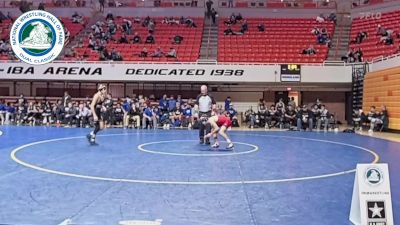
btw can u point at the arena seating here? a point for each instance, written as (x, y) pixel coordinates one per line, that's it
(283, 41)
(187, 51)
(370, 25)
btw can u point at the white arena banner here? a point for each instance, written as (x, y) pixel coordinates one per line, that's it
(168, 72)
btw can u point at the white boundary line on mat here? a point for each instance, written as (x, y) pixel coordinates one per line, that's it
(123, 180)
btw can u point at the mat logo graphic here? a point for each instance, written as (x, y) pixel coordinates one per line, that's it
(37, 37)
(376, 213)
(373, 176)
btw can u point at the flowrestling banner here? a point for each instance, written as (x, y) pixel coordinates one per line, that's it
(164, 73)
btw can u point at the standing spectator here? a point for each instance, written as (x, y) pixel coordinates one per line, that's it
(66, 99)
(101, 5)
(205, 103)
(209, 4)
(214, 15)
(230, 3)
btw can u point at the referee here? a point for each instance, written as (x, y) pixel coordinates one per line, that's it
(205, 103)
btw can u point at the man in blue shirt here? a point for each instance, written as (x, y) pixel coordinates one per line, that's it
(2, 112)
(149, 116)
(228, 101)
(171, 104)
(163, 105)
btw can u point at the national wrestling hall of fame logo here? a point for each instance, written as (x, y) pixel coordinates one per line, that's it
(37, 37)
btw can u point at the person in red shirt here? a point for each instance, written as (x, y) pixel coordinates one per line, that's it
(220, 125)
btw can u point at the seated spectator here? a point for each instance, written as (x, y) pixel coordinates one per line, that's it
(150, 39)
(323, 118)
(143, 53)
(229, 31)
(304, 119)
(123, 39)
(70, 114)
(315, 31)
(157, 53)
(127, 27)
(82, 116)
(133, 115)
(332, 17)
(3, 47)
(136, 39)
(320, 18)
(233, 115)
(171, 53)
(244, 27)
(148, 116)
(380, 118)
(250, 117)
(290, 116)
(361, 36)
(371, 116)
(151, 26)
(76, 18)
(239, 17)
(386, 40)
(358, 119)
(261, 27)
(177, 39)
(309, 51)
(109, 16)
(10, 113)
(381, 31)
(190, 23)
(187, 115)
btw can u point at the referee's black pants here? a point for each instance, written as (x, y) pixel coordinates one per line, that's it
(205, 127)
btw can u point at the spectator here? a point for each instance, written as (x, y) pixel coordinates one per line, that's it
(320, 18)
(118, 113)
(358, 119)
(361, 36)
(190, 23)
(136, 39)
(134, 115)
(230, 3)
(229, 31)
(70, 114)
(209, 4)
(332, 17)
(244, 27)
(158, 53)
(143, 53)
(171, 53)
(101, 5)
(214, 15)
(76, 18)
(82, 117)
(127, 27)
(66, 99)
(148, 116)
(109, 16)
(323, 118)
(3, 110)
(304, 118)
(309, 51)
(358, 55)
(261, 27)
(376, 118)
(187, 115)
(150, 39)
(10, 113)
(177, 39)
(381, 31)
(292, 103)
(228, 101)
(123, 39)
(41, 6)
(250, 117)
(171, 104)
(290, 116)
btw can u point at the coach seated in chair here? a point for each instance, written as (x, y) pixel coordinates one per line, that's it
(381, 119)
(323, 118)
(304, 119)
(290, 117)
(148, 116)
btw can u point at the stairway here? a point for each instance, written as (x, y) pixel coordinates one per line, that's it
(209, 42)
(340, 43)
